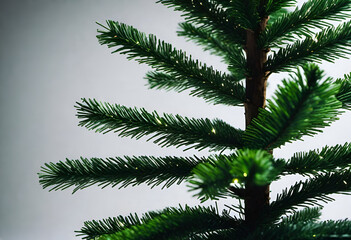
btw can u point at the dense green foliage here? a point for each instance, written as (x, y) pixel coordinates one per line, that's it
(303, 105)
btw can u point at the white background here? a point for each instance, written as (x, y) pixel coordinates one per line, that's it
(50, 58)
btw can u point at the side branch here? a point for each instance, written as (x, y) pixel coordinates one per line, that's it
(178, 223)
(167, 130)
(209, 14)
(313, 49)
(308, 193)
(190, 74)
(312, 14)
(124, 171)
(344, 94)
(328, 159)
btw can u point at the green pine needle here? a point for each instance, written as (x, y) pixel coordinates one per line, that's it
(166, 130)
(326, 160)
(326, 230)
(175, 223)
(246, 13)
(233, 55)
(209, 14)
(93, 229)
(212, 179)
(273, 6)
(217, 235)
(302, 106)
(309, 193)
(228, 93)
(312, 14)
(205, 81)
(344, 94)
(275, 16)
(304, 215)
(117, 171)
(328, 45)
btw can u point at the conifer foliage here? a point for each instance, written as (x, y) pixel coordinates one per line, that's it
(255, 38)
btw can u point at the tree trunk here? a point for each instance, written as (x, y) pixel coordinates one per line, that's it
(256, 197)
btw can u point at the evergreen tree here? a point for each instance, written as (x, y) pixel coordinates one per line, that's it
(255, 38)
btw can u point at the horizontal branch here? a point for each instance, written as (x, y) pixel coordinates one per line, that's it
(95, 228)
(113, 171)
(229, 93)
(166, 130)
(328, 159)
(209, 14)
(312, 14)
(173, 223)
(163, 57)
(329, 45)
(218, 235)
(326, 230)
(308, 193)
(303, 216)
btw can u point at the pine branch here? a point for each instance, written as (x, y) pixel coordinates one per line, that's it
(229, 93)
(302, 106)
(168, 130)
(173, 223)
(326, 160)
(113, 171)
(217, 235)
(308, 193)
(93, 229)
(212, 179)
(275, 5)
(209, 14)
(275, 16)
(329, 45)
(326, 230)
(312, 14)
(246, 13)
(303, 216)
(344, 94)
(163, 57)
(233, 55)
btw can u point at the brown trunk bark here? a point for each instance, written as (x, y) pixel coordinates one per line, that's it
(256, 197)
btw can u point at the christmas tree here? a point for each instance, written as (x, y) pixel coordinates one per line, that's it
(255, 38)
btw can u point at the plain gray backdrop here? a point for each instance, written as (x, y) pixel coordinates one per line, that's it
(50, 58)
